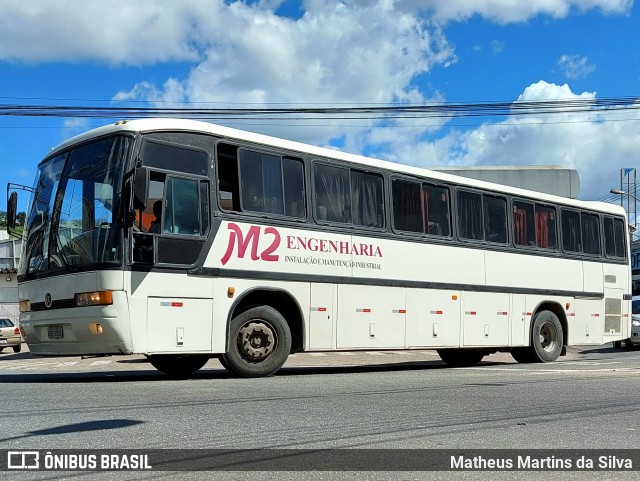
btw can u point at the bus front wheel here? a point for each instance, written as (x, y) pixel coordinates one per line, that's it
(178, 365)
(259, 343)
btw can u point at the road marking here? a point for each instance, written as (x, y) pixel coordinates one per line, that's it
(317, 354)
(99, 363)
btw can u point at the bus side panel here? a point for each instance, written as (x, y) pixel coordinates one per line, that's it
(177, 324)
(533, 272)
(322, 316)
(518, 320)
(161, 303)
(485, 319)
(586, 326)
(371, 317)
(433, 318)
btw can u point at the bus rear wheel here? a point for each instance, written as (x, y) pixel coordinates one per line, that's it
(460, 357)
(178, 365)
(546, 340)
(259, 343)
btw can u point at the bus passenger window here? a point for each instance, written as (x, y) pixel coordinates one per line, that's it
(571, 231)
(436, 210)
(546, 233)
(495, 218)
(407, 206)
(591, 234)
(470, 215)
(614, 237)
(523, 224)
(333, 192)
(366, 199)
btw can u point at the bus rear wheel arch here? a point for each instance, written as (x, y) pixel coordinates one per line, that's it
(259, 343)
(547, 340)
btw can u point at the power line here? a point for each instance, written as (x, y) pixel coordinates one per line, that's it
(357, 112)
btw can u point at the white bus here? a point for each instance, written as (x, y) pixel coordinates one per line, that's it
(261, 247)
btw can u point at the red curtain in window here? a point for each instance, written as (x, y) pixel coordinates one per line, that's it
(542, 229)
(520, 223)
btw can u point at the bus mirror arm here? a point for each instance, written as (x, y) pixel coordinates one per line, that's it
(140, 188)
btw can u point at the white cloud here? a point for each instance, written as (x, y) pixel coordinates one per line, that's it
(502, 11)
(575, 66)
(116, 32)
(144, 32)
(598, 149)
(335, 54)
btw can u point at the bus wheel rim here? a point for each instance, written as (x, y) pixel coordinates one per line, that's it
(256, 340)
(547, 336)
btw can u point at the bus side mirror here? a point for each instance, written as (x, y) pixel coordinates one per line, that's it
(140, 188)
(12, 205)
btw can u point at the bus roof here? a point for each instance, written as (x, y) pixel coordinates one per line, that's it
(172, 124)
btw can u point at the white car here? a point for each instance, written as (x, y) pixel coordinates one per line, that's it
(10, 335)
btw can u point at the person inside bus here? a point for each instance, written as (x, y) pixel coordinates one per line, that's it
(157, 212)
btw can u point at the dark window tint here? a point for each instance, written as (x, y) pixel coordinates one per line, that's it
(436, 210)
(367, 203)
(590, 234)
(495, 218)
(614, 237)
(293, 177)
(407, 206)
(571, 231)
(174, 157)
(261, 182)
(470, 223)
(333, 196)
(253, 181)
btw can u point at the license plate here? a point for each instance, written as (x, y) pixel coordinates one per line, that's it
(3, 341)
(55, 332)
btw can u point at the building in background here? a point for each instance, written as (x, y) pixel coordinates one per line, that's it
(9, 256)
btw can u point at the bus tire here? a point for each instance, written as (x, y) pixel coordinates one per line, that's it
(178, 365)
(460, 357)
(546, 337)
(259, 343)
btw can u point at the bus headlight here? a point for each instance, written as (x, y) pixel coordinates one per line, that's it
(97, 298)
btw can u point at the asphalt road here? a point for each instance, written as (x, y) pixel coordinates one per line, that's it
(392, 400)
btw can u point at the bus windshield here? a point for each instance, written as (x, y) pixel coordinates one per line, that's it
(72, 219)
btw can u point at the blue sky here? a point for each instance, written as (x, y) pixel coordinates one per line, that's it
(320, 53)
